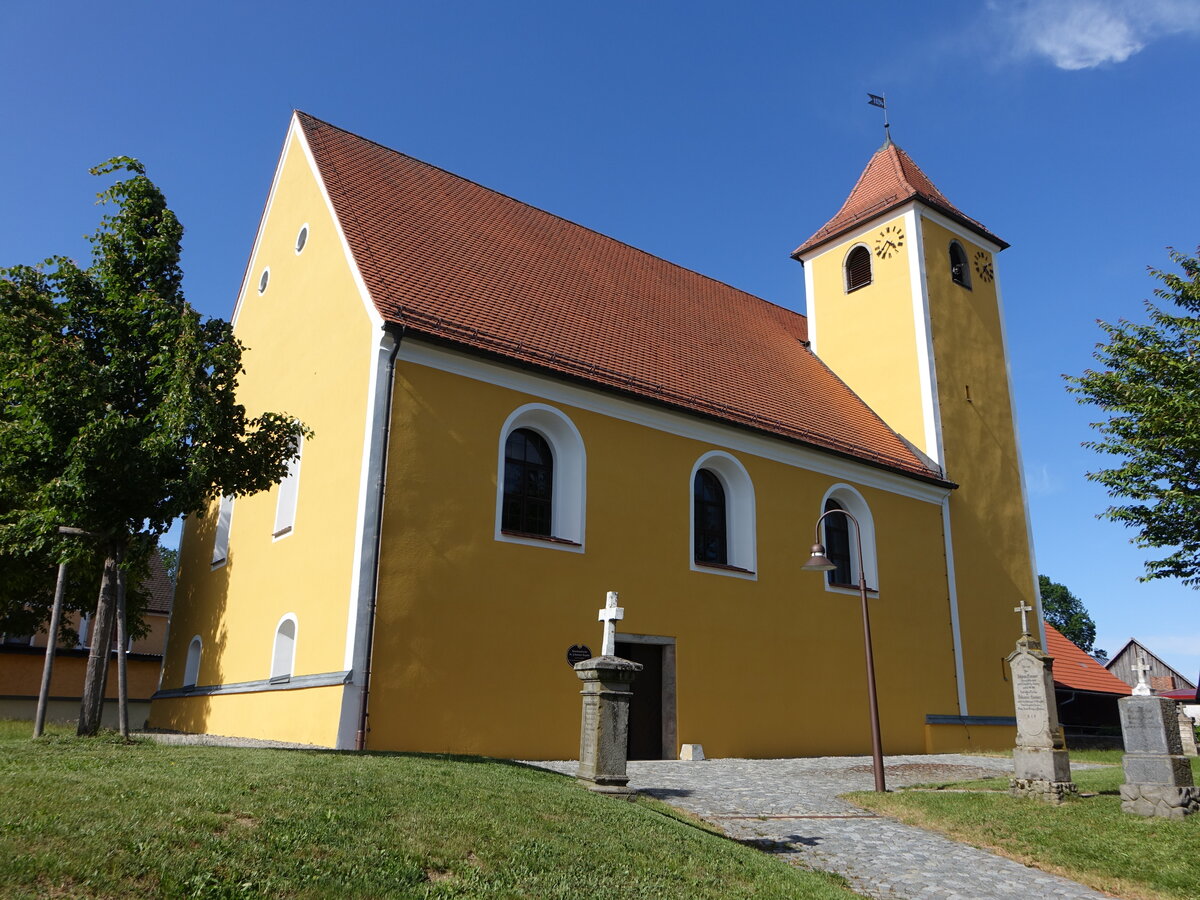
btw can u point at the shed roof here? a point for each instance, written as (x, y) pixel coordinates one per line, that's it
(1073, 668)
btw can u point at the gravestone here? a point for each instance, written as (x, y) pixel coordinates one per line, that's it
(1187, 733)
(1041, 765)
(604, 730)
(1158, 777)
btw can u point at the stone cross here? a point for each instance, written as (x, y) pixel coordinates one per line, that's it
(1140, 668)
(1023, 609)
(609, 616)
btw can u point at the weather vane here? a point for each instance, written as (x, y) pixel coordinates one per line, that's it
(880, 100)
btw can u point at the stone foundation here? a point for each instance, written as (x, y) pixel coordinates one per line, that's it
(1053, 792)
(1164, 800)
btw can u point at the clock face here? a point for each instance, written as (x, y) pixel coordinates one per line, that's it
(983, 266)
(889, 242)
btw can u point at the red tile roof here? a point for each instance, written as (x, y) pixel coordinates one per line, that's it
(1075, 669)
(890, 180)
(454, 261)
(160, 588)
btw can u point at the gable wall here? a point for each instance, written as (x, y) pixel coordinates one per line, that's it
(311, 345)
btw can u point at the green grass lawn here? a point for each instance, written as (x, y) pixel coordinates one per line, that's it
(103, 818)
(1087, 839)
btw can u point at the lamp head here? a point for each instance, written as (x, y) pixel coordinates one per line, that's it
(818, 562)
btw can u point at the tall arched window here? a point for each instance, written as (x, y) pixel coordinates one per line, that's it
(837, 545)
(540, 480)
(842, 539)
(960, 272)
(528, 484)
(858, 268)
(283, 656)
(723, 516)
(710, 528)
(191, 669)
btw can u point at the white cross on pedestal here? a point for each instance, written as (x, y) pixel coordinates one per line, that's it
(1140, 668)
(1023, 609)
(609, 616)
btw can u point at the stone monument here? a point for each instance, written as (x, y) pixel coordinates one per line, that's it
(1158, 777)
(1187, 733)
(1041, 765)
(604, 732)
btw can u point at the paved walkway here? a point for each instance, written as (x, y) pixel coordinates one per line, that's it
(791, 807)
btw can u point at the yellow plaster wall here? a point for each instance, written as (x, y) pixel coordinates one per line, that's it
(988, 518)
(472, 632)
(298, 716)
(311, 348)
(868, 336)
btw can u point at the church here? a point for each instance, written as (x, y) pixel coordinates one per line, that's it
(514, 415)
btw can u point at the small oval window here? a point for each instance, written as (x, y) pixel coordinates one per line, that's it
(301, 238)
(262, 282)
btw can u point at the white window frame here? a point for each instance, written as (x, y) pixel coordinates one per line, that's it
(220, 554)
(288, 495)
(741, 537)
(279, 672)
(568, 496)
(854, 503)
(191, 668)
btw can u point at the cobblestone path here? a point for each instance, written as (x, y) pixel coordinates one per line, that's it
(790, 807)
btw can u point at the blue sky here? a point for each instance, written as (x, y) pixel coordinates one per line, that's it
(716, 135)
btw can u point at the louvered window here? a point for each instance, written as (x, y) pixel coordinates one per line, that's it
(858, 269)
(959, 271)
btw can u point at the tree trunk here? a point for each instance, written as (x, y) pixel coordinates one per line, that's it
(122, 643)
(92, 707)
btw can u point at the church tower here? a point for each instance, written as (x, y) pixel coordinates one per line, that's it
(904, 306)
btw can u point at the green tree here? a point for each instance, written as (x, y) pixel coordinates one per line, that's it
(1066, 612)
(117, 405)
(1149, 387)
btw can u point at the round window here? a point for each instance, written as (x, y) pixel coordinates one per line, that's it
(302, 238)
(262, 282)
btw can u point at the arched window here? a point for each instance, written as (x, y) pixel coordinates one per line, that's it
(858, 268)
(528, 484)
(837, 545)
(723, 516)
(540, 479)
(710, 527)
(283, 656)
(191, 669)
(960, 272)
(841, 539)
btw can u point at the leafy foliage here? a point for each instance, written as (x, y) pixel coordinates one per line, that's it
(1149, 387)
(1066, 612)
(118, 412)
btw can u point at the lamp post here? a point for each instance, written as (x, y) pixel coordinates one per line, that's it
(818, 562)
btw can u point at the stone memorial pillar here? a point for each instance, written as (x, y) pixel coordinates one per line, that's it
(1187, 733)
(604, 732)
(1158, 777)
(1041, 765)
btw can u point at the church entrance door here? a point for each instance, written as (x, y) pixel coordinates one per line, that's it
(652, 708)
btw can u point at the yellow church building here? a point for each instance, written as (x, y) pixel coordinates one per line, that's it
(514, 414)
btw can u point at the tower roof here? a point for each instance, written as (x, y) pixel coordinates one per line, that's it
(460, 264)
(890, 180)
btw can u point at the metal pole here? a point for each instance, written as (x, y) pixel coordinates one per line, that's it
(39, 719)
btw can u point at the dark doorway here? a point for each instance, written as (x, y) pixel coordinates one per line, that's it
(646, 707)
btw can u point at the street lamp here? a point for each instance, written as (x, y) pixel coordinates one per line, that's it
(818, 562)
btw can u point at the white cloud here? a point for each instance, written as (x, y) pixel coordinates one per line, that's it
(1082, 34)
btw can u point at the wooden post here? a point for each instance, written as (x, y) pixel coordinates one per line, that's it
(91, 706)
(122, 642)
(39, 719)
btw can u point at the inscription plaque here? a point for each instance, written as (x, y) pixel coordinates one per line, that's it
(577, 653)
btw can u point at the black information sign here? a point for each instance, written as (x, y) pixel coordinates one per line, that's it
(578, 654)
